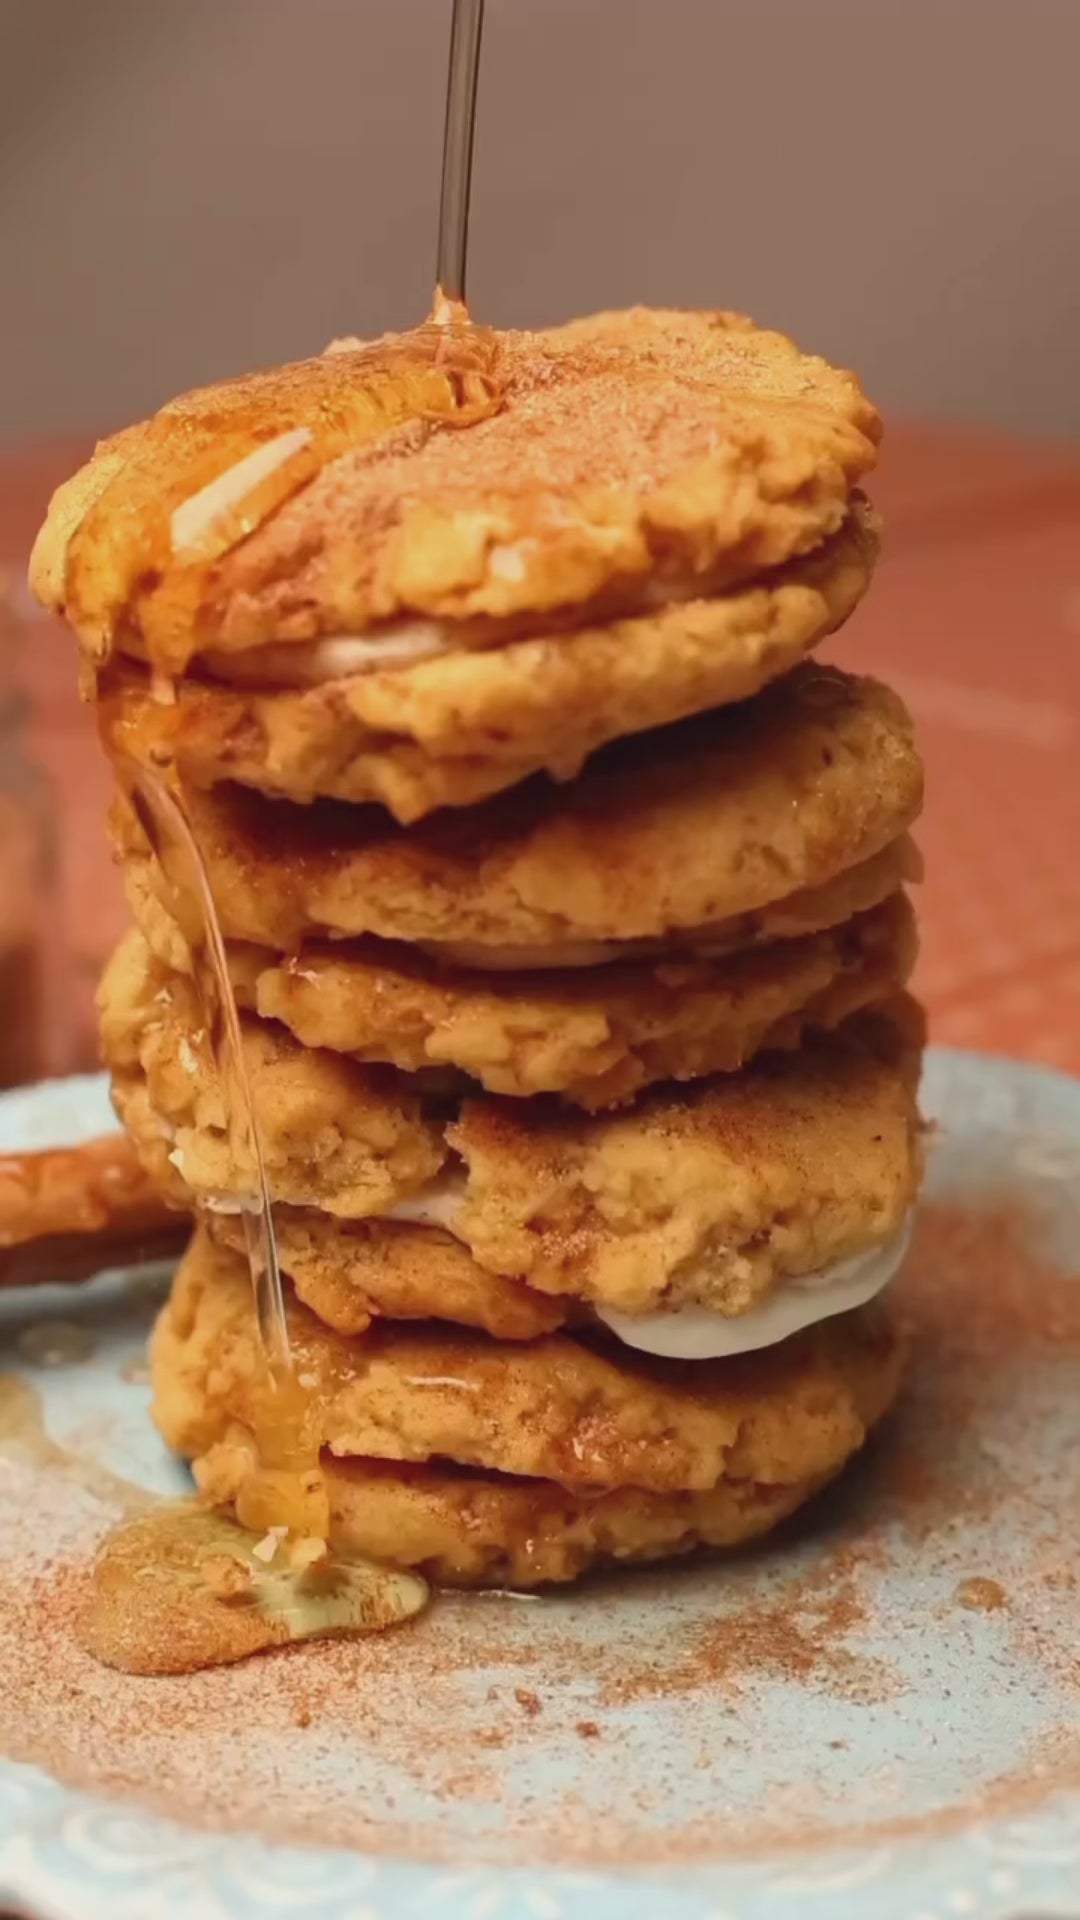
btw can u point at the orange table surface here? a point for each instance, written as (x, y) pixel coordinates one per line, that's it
(974, 617)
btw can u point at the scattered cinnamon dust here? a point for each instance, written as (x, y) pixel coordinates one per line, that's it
(800, 1637)
(963, 1477)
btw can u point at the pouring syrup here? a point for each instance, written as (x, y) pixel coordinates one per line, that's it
(180, 1587)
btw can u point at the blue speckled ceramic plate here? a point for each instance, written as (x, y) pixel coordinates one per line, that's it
(877, 1714)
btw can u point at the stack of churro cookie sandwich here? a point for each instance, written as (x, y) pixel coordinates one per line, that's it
(563, 898)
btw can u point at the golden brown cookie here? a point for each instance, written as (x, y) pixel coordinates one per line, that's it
(813, 910)
(351, 1272)
(72, 501)
(595, 1035)
(452, 729)
(470, 1529)
(556, 1408)
(703, 823)
(351, 1139)
(456, 474)
(713, 1194)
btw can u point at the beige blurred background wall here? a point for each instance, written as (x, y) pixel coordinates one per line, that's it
(189, 187)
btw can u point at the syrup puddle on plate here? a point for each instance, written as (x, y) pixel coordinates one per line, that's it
(183, 1587)
(177, 1587)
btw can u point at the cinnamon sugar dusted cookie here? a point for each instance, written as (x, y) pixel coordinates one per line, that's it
(594, 1035)
(352, 1139)
(351, 1272)
(716, 1194)
(463, 722)
(555, 1408)
(464, 1528)
(457, 475)
(684, 831)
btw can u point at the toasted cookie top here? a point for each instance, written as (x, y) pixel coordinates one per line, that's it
(454, 473)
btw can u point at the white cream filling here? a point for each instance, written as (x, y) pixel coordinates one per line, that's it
(399, 643)
(314, 663)
(699, 1333)
(436, 1205)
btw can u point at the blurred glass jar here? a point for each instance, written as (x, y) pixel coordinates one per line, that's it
(31, 1036)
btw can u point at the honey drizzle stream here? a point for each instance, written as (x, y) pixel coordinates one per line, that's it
(466, 28)
(165, 825)
(179, 1587)
(287, 1487)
